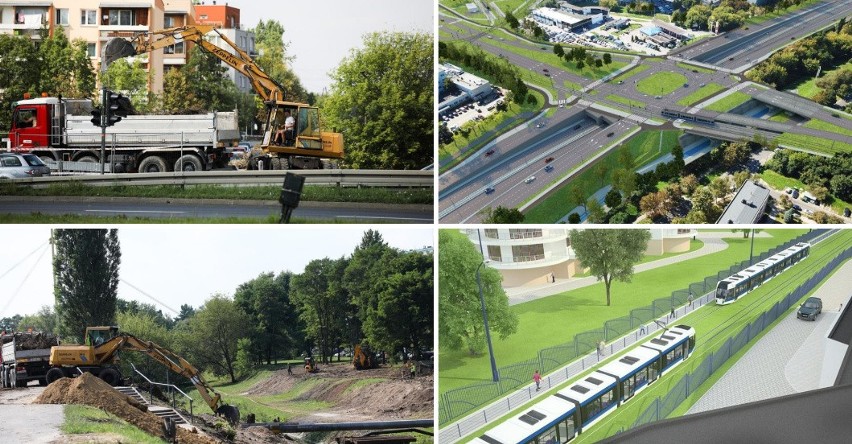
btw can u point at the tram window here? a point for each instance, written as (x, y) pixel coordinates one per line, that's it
(629, 386)
(641, 377)
(548, 437)
(591, 409)
(566, 429)
(606, 399)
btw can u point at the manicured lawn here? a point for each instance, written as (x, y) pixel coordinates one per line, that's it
(713, 325)
(689, 67)
(729, 102)
(508, 5)
(556, 319)
(625, 101)
(645, 147)
(813, 143)
(460, 7)
(632, 72)
(779, 13)
(826, 126)
(661, 83)
(808, 87)
(700, 94)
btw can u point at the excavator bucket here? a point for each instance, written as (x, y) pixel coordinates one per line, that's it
(230, 413)
(117, 48)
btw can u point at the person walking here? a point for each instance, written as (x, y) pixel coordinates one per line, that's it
(289, 369)
(601, 346)
(552, 278)
(642, 329)
(537, 379)
(689, 299)
(672, 314)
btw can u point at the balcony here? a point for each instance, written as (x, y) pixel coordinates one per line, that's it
(528, 261)
(24, 19)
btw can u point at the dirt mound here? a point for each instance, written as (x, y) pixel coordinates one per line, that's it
(278, 382)
(90, 390)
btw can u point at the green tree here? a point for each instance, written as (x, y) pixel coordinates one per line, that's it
(144, 326)
(186, 312)
(613, 198)
(557, 49)
(740, 177)
(128, 79)
(85, 268)
(596, 213)
(404, 316)
(697, 17)
(65, 67)
(511, 20)
(179, 95)
(574, 218)
(580, 64)
(266, 300)
(382, 100)
(364, 271)
(275, 60)
(607, 58)
(209, 338)
(321, 298)
(460, 323)
(206, 76)
(43, 320)
(501, 215)
(610, 254)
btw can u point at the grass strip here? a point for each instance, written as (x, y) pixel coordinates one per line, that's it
(661, 83)
(311, 193)
(729, 102)
(700, 94)
(625, 100)
(830, 127)
(85, 420)
(811, 143)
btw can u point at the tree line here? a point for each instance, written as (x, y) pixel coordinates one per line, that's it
(379, 295)
(498, 69)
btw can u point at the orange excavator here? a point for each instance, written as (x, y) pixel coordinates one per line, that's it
(99, 356)
(305, 145)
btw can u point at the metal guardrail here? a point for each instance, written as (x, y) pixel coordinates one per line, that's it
(171, 388)
(340, 178)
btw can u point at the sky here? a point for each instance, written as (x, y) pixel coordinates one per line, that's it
(322, 32)
(185, 265)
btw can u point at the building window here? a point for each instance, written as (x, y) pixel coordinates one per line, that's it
(527, 253)
(91, 50)
(568, 241)
(494, 253)
(177, 48)
(62, 17)
(524, 234)
(684, 231)
(121, 17)
(169, 21)
(88, 17)
(491, 234)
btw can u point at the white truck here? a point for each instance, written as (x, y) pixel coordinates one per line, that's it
(58, 129)
(25, 357)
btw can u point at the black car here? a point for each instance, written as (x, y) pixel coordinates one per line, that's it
(810, 309)
(489, 190)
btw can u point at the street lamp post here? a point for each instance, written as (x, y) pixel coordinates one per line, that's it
(494, 376)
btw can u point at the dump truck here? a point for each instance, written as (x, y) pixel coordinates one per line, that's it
(25, 358)
(57, 129)
(99, 356)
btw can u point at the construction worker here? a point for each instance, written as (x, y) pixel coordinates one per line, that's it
(289, 369)
(412, 368)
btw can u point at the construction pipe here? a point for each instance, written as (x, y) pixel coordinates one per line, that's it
(295, 427)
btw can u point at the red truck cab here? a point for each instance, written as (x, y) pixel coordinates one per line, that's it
(31, 124)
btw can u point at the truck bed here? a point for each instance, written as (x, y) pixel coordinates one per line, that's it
(156, 130)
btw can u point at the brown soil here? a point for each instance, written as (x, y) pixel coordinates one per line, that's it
(91, 390)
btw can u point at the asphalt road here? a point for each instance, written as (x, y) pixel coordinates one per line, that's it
(163, 209)
(744, 47)
(23, 422)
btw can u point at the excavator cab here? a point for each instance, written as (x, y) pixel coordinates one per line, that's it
(305, 135)
(310, 365)
(96, 336)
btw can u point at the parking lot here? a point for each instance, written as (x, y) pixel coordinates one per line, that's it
(468, 112)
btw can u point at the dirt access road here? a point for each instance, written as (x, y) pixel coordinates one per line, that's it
(23, 422)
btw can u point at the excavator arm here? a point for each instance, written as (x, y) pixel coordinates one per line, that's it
(265, 86)
(124, 341)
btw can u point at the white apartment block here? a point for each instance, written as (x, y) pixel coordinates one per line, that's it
(527, 257)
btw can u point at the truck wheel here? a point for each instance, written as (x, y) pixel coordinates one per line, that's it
(276, 163)
(54, 375)
(110, 376)
(285, 163)
(188, 163)
(13, 378)
(88, 159)
(152, 164)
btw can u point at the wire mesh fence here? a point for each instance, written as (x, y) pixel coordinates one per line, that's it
(577, 355)
(663, 406)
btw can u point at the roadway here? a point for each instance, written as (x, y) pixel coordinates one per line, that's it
(519, 154)
(744, 47)
(203, 209)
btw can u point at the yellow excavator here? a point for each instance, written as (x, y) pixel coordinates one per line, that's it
(304, 146)
(99, 356)
(363, 357)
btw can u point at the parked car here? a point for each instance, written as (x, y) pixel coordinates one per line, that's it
(529, 179)
(17, 166)
(795, 194)
(810, 309)
(797, 208)
(847, 212)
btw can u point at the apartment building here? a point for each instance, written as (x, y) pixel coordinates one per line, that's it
(226, 19)
(528, 256)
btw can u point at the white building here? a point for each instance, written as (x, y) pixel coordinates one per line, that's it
(471, 87)
(527, 257)
(472, 8)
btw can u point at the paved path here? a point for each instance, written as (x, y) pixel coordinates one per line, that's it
(23, 422)
(786, 360)
(713, 243)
